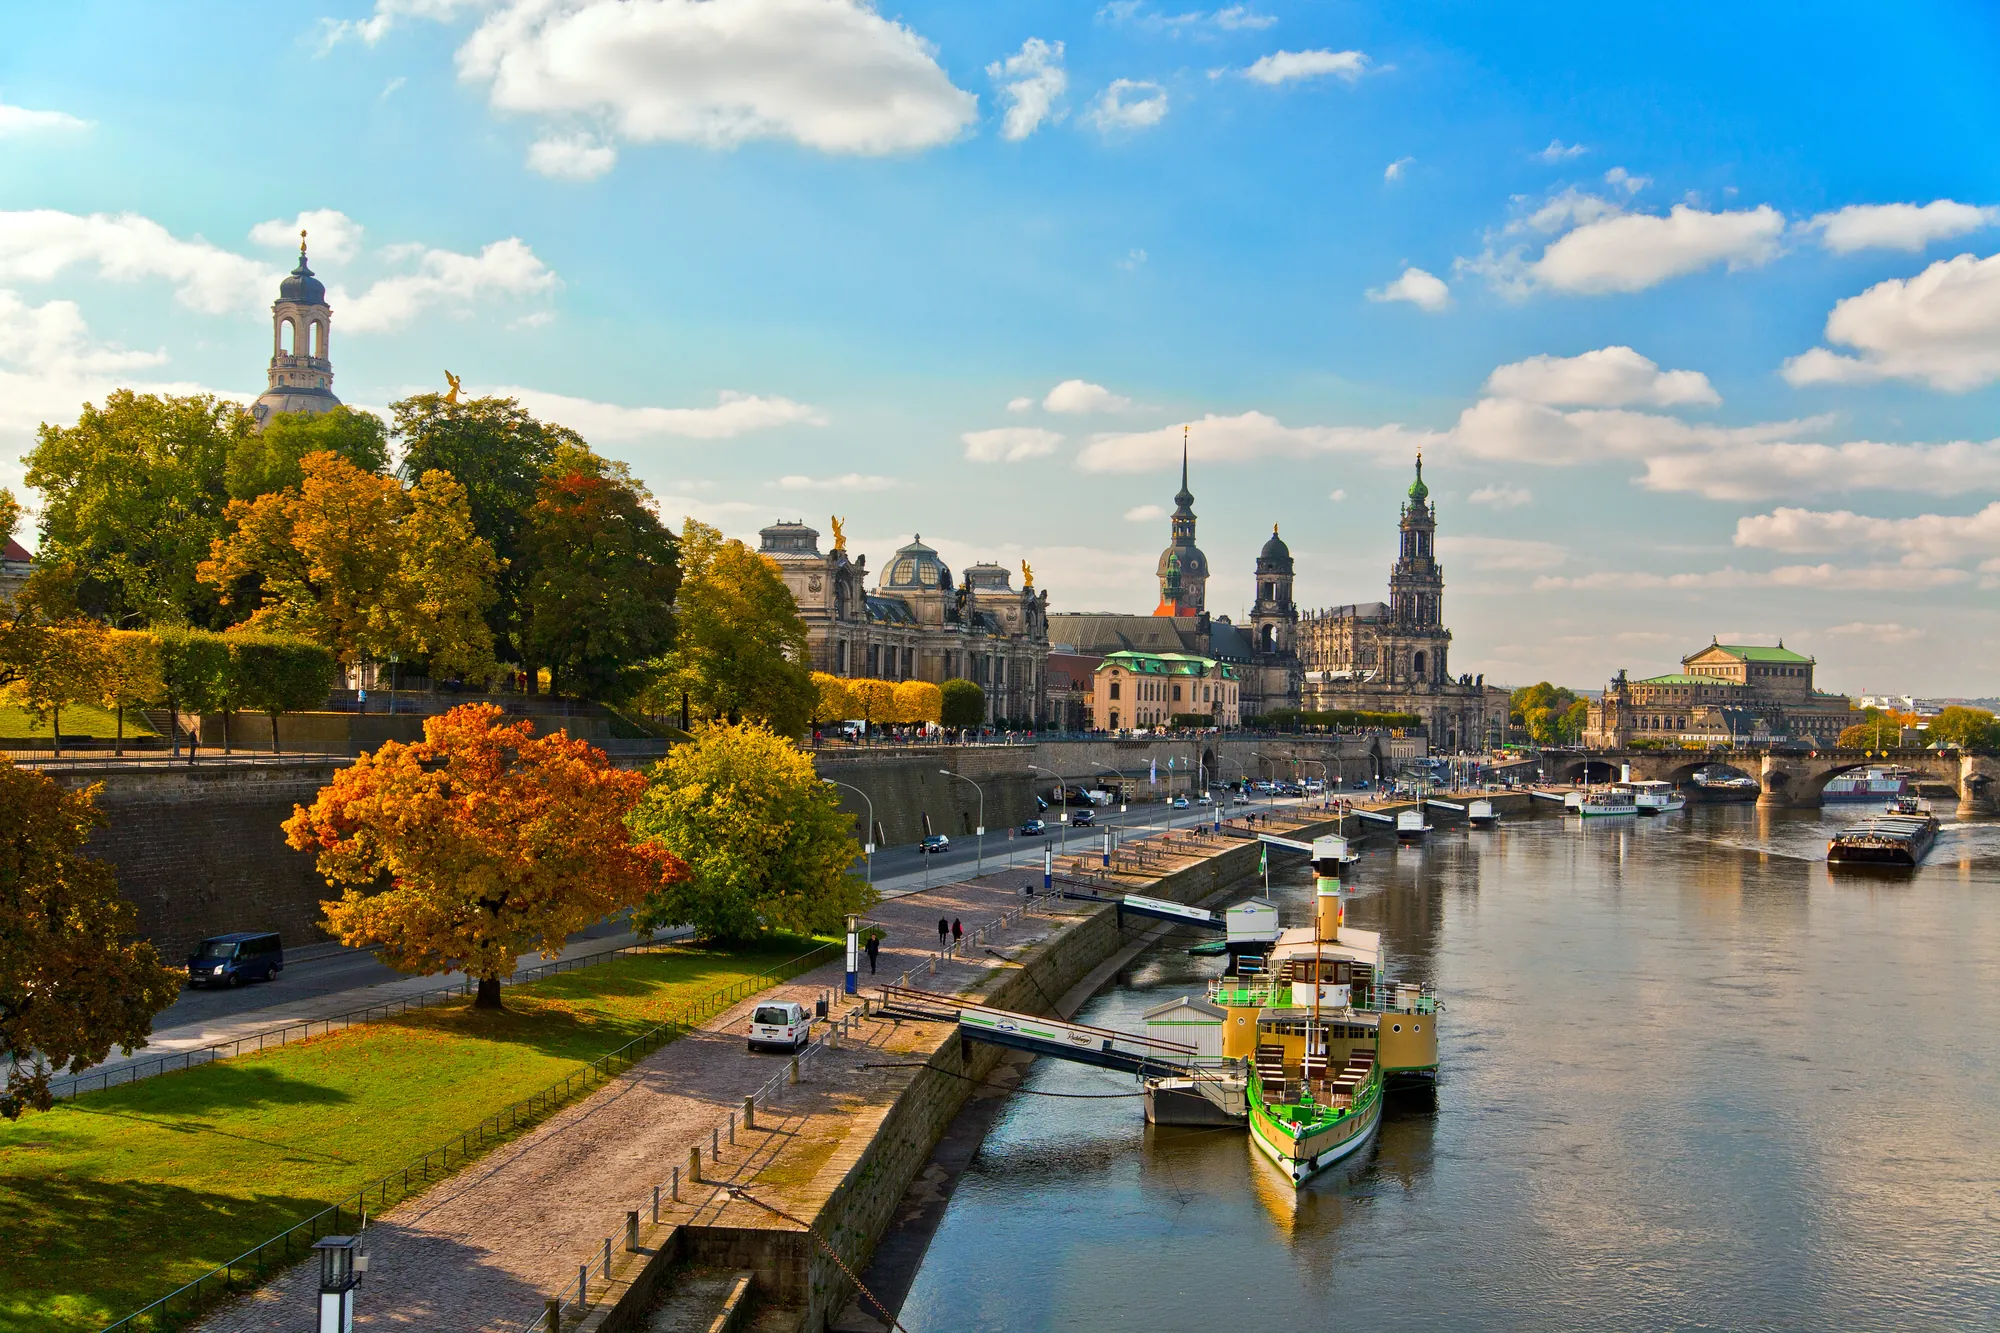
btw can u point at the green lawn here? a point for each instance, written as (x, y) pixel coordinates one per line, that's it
(77, 720)
(113, 1200)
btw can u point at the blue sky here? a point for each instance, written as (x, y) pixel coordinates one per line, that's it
(1695, 315)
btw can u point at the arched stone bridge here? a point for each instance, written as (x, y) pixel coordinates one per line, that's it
(1789, 780)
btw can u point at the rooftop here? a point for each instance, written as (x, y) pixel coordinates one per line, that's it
(1752, 652)
(1682, 678)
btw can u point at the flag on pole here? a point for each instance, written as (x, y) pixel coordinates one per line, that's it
(1263, 860)
(1153, 776)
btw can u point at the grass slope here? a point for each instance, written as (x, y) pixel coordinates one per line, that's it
(80, 720)
(113, 1200)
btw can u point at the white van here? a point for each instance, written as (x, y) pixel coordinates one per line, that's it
(780, 1026)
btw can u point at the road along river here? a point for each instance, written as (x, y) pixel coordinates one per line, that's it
(1691, 1079)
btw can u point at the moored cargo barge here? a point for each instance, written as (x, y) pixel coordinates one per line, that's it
(1898, 842)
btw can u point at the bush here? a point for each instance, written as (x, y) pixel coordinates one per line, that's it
(963, 703)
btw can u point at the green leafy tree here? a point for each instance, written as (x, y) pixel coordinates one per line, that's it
(268, 460)
(60, 665)
(1545, 710)
(73, 982)
(132, 499)
(765, 841)
(193, 667)
(1970, 729)
(740, 646)
(499, 452)
(277, 674)
(963, 703)
(598, 603)
(1880, 731)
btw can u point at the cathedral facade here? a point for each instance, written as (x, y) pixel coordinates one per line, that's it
(919, 623)
(1390, 657)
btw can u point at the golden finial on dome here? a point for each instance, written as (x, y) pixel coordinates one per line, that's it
(302, 242)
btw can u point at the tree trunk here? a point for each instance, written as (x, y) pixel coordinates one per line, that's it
(274, 733)
(119, 748)
(226, 714)
(55, 732)
(488, 996)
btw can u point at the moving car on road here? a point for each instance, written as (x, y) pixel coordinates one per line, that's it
(1033, 828)
(1083, 819)
(226, 960)
(1180, 803)
(937, 842)
(780, 1026)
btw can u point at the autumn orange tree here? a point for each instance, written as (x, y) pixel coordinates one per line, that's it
(485, 840)
(73, 984)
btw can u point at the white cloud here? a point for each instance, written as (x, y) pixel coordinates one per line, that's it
(445, 278)
(1144, 513)
(576, 157)
(1023, 404)
(1111, 111)
(1422, 290)
(1242, 438)
(333, 235)
(1081, 396)
(1558, 151)
(1394, 171)
(1498, 553)
(1241, 18)
(1133, 260)
(1879, 631)
(733, 414)
(1871, 578)
(1634, 251)
(1619, 178)
(377, 25)
(37, 245)
(831, 75)
(847, 481)
(1032, 81)
(1607, 377)
(1941, 327)
(1285, 66)
(1908, 227)
(1764, 470)
(1925, 541)
(1501, 497)
(1336, 495)
(389, 88)
(20, 120)
(1010, 444)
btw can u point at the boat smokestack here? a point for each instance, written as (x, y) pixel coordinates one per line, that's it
(1327, 912)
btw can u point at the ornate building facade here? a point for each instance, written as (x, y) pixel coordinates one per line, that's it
(919, 623)
(1726, 693)
(1151, 689)
(1390, 657)
(300, 378)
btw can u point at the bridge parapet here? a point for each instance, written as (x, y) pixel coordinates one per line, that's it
(1796, 781)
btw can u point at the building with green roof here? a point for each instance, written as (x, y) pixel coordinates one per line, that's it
(1732, 693)
(1136, 690)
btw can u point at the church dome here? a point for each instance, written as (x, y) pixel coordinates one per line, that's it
(301, 286)
(1189, 559)
(1275, 552)
(1418, 491)
(916, 567)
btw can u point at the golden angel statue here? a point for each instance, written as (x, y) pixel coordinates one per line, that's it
(839, 536)
(452, 397)
(1027, 575)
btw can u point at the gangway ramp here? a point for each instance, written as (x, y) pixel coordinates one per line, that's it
(1077, 1042)
(1444, 805)
(1157, 908)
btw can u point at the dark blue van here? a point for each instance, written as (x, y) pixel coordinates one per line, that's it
(225, 960)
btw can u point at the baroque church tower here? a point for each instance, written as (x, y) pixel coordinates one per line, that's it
(1183, 569)
(301, 375)
(1416, 640)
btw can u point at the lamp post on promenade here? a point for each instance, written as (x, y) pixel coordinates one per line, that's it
(1062, 805)
(867, 834)
(979, 853)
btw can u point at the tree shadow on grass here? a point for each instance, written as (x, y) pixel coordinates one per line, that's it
(81, 1252)
(225, 1085)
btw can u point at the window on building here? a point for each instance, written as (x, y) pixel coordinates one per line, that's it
(874, 659)
(840, 658)
(1114, 689)
(1177, 694)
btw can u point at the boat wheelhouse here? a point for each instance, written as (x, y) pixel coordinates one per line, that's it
(1607, 801)
(1655, 798)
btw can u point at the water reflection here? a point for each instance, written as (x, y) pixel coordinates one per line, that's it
(1690, 1079)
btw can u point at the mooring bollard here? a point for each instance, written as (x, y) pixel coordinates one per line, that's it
(694, 1166)
(552, 1315)
(632, 1231)
(749, 1113)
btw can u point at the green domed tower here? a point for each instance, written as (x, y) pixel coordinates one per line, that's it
(1416, 591)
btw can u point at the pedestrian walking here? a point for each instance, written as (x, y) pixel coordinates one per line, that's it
(957, 932)
(944, 930)
(874, 948)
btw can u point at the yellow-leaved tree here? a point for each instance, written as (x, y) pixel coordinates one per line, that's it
(874, 701)
(834, 703)
(492, 841)
(740, 649)
(918, 701)
(765, 842)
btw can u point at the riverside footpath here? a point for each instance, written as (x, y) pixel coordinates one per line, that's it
(566, 1212)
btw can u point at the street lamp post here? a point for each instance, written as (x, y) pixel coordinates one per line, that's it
(1325, 779)
(867, 834)
(1062, 805)
(979, 854)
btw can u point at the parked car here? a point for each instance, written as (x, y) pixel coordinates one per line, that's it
(937, 842)
(1204, 799)
(782, 1026)
(1033, 828)
(1241, 799)
(227, 960)
(1083, 819)
(1180, 802)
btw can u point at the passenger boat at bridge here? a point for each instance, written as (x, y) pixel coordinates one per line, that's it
(1898, 841)
(1656, 798)
(1607, 801)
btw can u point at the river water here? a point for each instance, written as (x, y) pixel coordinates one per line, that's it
(1691, 1080)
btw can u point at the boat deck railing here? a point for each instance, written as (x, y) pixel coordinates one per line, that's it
(1383, 999)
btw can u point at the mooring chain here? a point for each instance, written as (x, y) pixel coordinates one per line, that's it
(737, 1192)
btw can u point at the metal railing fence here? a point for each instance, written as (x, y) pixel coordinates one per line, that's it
(296, 1241)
